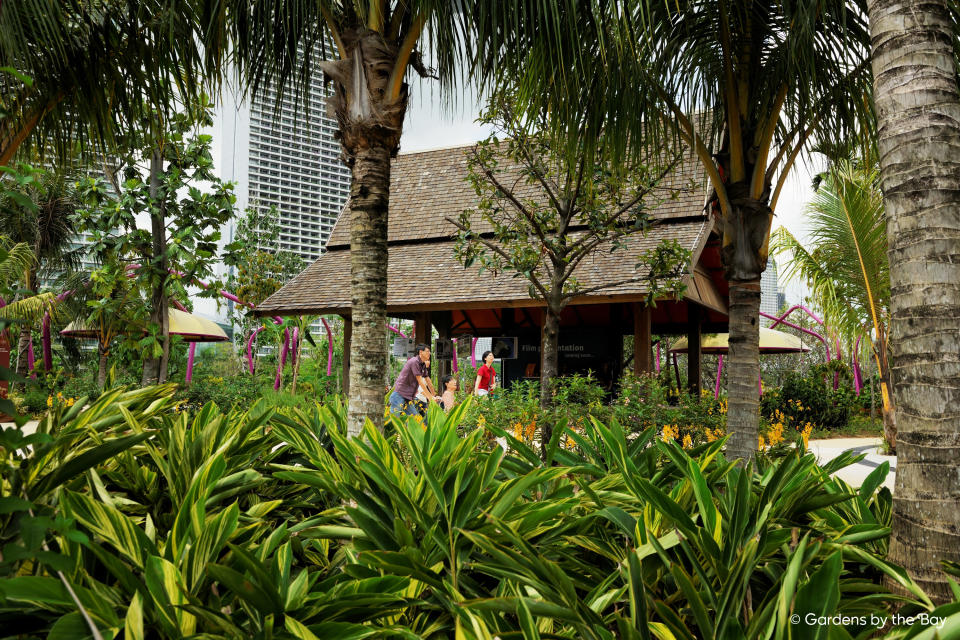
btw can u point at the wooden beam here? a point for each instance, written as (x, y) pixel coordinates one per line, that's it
(694, 319)
(641, 339)
(347, 340)
(528, 317)
(424, 330)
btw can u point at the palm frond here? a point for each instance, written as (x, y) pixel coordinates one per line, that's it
(29, 310)
(19, 257)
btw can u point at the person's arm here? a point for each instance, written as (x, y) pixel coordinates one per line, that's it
(476, 385)
(423, 382)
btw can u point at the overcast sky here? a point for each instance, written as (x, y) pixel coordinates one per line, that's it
(429, 126)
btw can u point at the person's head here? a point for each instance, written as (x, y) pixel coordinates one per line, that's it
(423, 350)
(449, 383)
(487, 358)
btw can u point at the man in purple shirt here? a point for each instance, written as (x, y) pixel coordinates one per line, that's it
(412, 377)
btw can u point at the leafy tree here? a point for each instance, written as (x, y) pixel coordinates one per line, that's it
(917, 93)
(259, 267)
(846, 265)
(548, 214)
(185, 202)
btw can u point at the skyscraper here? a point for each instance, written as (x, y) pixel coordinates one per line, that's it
(769, 292)
(284, 156)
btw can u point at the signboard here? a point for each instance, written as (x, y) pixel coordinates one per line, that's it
(403, 348)
(444, 349)
(504, 348)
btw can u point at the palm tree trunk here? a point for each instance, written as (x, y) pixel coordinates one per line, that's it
(743, 370)
(103, 353)
(549, 370)
(369, 202)
(370, 124)
(918, 117)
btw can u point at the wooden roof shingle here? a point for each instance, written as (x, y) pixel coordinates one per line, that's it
(428, 187)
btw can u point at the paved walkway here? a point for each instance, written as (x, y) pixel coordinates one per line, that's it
(855, 474)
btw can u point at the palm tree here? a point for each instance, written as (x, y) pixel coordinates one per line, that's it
(748, 86)
(847, 268)
(368, 47)
(15, 259)
(39, 214)
(918, 123)
(84, 69)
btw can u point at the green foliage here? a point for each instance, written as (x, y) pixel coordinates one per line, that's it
(35, 400)
(191, 203)
(263, 523)
(811, 398)
(260, 266)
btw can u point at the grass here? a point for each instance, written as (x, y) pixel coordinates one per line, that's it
(860, 426)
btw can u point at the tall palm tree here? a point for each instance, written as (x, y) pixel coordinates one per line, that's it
(918, 118)
(747, 86)
(846, 267)
(368, 47)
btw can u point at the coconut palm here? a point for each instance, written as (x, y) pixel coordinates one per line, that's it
(83, 68)
(918, 124)
(846, 265)
(747, 86)
(368, 47)
(39, 213)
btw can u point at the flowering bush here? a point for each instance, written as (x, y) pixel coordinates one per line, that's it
(811, 398)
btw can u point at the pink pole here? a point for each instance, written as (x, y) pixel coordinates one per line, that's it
(760, 384)
(473, 353)
(283, 360)
(657, 363)
(716, 388)
(190, 357)
(253, 336)
(329, 347)
(454, 355)
(294, 343)
(397, 331)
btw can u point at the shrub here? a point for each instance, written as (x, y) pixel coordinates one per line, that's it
(258, 523)
(811, 398)
(35, 400)
(226, 392)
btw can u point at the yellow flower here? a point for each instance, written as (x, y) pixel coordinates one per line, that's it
(481, 421)
(687, 442)
(71, 401)
(762, 444)
(49, 401)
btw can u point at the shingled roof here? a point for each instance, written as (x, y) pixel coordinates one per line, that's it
(430, 186)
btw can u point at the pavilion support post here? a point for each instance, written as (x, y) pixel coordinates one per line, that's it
(694, 321)
(444, 322)
(641, 339)
(347, 338)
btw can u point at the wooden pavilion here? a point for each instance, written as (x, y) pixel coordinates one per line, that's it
(428, 285)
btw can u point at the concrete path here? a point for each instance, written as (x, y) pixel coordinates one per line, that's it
(855, 474)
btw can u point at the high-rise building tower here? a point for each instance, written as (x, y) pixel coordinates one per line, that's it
(769, 292)
(284, 156)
